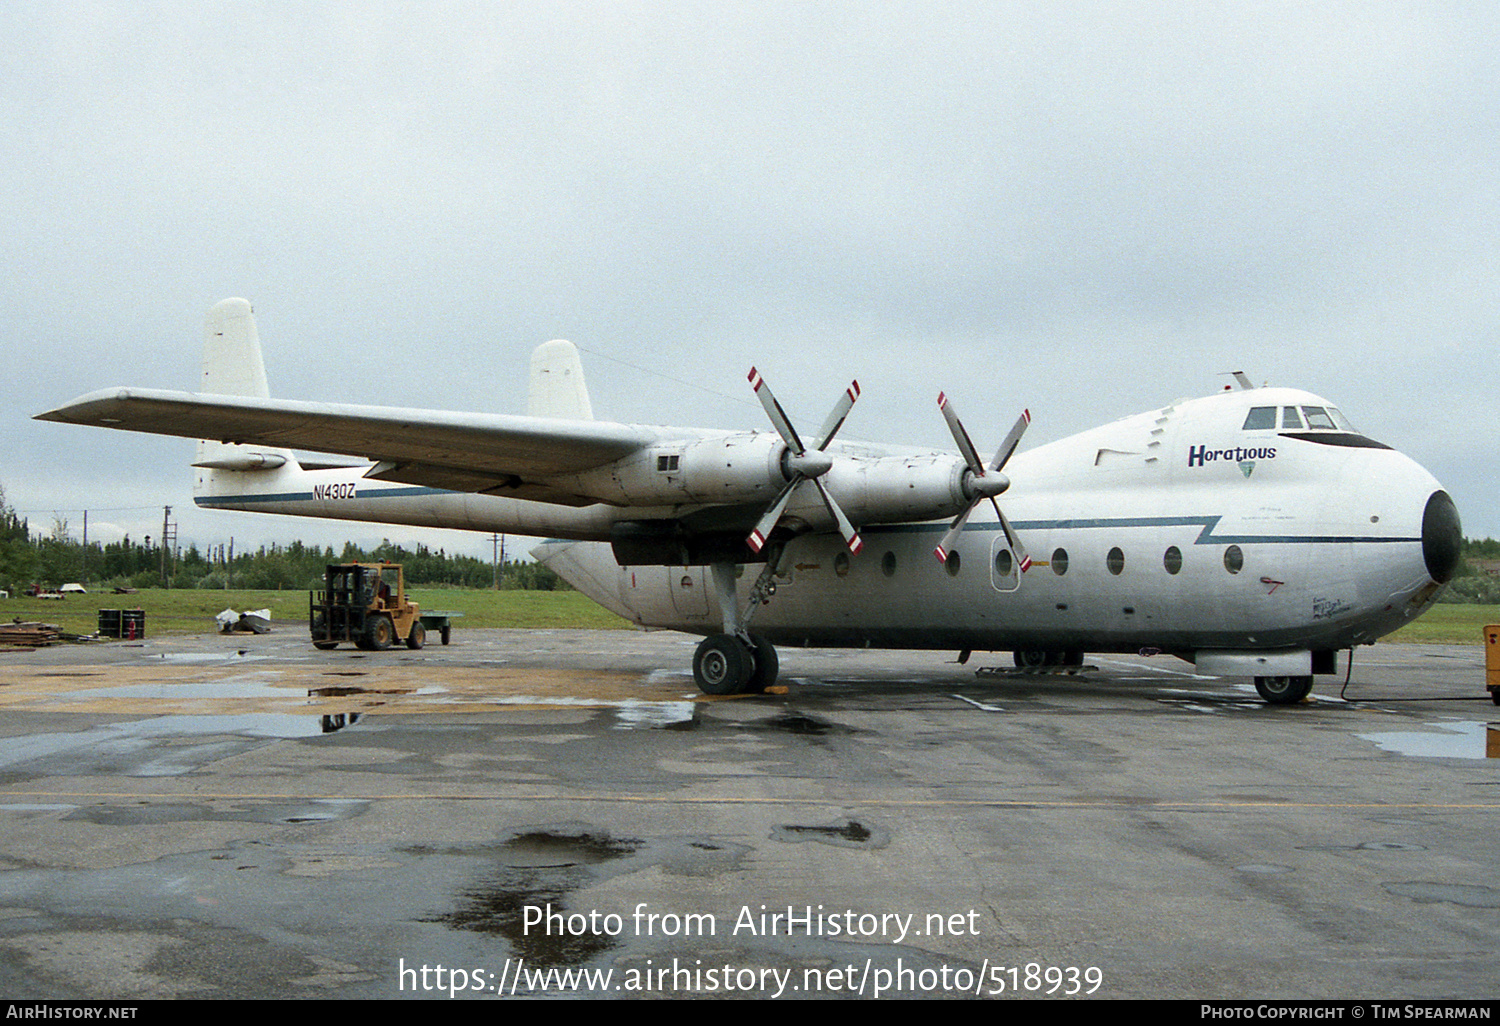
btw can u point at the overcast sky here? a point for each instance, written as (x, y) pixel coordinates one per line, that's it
(1088, 209)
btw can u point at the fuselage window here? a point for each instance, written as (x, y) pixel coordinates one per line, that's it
(1173, 560)
(1003, 563)
(1234, 559)
(1289, 419)
(1060, 562)
(1115, 561)
(668, 464)
(888, 564)
(1261, 418)
(953, 564)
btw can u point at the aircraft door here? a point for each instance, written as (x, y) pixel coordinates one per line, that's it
(1004, 574)
(689, 588)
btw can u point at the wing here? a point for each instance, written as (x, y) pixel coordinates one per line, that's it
(473, 452)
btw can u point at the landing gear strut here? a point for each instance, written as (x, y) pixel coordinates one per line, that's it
(738, 661)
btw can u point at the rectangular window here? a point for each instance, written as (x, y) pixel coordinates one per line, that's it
(1262, 418)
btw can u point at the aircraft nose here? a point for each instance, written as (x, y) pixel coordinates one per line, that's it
(1442, 537)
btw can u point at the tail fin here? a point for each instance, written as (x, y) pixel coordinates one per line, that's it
(232, 365)
(557, 385)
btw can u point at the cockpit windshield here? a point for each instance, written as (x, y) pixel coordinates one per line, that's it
(1298, 418)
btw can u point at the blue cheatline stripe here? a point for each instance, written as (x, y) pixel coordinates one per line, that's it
(363, 493)
(1206, 536)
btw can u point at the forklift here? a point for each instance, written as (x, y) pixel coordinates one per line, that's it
(364, 603)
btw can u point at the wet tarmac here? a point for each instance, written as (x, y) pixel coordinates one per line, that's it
(560, 813)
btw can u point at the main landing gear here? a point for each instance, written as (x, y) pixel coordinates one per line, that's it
(1283, 690)
(737, 662)
(725, 665)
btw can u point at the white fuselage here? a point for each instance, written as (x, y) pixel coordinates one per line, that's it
(1189, 528)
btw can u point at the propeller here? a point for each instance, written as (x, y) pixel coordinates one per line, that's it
(806, 465)
(984, 482)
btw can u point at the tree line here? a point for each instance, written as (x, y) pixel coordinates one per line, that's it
(53, 559)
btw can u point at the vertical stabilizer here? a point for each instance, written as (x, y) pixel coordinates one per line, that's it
(557, 385)
(233, 365)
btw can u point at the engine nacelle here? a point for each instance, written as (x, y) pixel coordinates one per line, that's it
(893, 489)
(721, 470)
(751, 468)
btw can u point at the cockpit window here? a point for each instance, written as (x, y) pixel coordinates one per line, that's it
(1342, 422)
(1318, 418)
(1289, 419)
(1261, 418)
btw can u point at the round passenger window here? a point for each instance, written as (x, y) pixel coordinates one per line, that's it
(1115, 561)
(1234, 559)
(952, 564)
(1172, 560)
(888, 564)
(1004, 563)
(1060, 562)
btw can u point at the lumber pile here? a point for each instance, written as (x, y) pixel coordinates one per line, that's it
(28, 633)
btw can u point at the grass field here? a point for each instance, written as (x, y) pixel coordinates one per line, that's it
(192, 612)
(185, 611)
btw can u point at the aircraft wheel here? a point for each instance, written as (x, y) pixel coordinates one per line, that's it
(767, 666)
(1036, 658)
(417, 636)
(380, 633)
(325, 646)
(1283, 690)
(722, 665)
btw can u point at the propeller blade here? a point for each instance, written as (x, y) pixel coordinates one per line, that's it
(767, 524)
(951, 538)
(965, 446)
(1023, 561)
(971, 457)
(840, 414)
(851, 536)
(778, 416)
(1008, 447)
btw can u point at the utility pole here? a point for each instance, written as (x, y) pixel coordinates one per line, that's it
(168, 539)
(497, 555)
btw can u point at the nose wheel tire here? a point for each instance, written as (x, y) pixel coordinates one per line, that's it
(1283, 690)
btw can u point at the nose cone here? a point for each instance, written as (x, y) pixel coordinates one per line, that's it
(1442, 537)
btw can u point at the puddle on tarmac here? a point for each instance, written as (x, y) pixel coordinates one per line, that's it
(849, 834)
(536, 871)
(250, 685)
(1456, 740)
(135, 735)
(205, 658)
(798, 723)
(1467, 895)
(316, 810)
(633, 714)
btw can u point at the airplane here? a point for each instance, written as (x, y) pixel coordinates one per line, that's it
(1253, 532)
